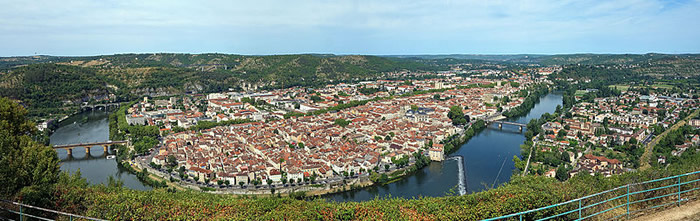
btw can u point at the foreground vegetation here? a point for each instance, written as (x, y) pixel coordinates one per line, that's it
(520, 194)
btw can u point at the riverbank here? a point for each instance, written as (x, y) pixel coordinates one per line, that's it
(322, 187)
(533, 97)
(452, 144)
(87, 127)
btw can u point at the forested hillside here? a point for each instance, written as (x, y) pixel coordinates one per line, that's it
(45, 83)
(45, 88)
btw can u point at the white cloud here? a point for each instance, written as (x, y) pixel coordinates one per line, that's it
(522, 25)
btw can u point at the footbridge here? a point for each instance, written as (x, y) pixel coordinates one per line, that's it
(104, 144)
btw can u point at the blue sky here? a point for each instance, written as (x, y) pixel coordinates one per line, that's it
(91, 27)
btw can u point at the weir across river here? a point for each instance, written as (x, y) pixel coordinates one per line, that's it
(461, 175)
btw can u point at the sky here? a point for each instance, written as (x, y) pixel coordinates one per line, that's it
(392, 27)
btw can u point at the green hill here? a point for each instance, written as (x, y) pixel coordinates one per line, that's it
(46, 83)
(46, 88)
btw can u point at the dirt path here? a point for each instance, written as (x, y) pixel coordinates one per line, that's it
(689, 211)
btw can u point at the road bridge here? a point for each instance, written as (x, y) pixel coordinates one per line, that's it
(94, 106)
(104, 144)
(501, 123)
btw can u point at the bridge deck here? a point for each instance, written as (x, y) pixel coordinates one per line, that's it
(99, 105)
(507, 122)
(89, 144)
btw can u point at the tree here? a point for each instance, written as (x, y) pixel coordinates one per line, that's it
(27, 168)
(386, 167)
(383, 178)
(519, 164)
(633, 141)
(562, 173)
(172, 161)
(561, 134)
(316, 99)
(281, 161)
(565, 156)
(342, 122)
(241, 183)
(269, 182)
(456, 115)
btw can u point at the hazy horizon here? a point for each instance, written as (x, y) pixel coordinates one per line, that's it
(266, 27)
(378, 55)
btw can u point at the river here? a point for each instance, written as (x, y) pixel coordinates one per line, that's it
(488, 162)
(487, 158)
(96, 168)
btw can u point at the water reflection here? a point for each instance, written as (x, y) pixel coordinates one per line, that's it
(90, 127)
(485, 155)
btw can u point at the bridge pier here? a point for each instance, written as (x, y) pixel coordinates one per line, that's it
(500, 125)
(521, 128)
(105, 146)
(70, 152)
(87, 150)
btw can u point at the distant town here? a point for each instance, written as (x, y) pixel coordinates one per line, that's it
(287, 136)
(357, 134)
(607, 135)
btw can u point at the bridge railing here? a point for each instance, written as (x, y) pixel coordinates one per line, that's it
(23, 211)
(621, 202)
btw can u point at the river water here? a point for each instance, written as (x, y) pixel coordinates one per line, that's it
(488, 162)
(89, 127)
(487, 158)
